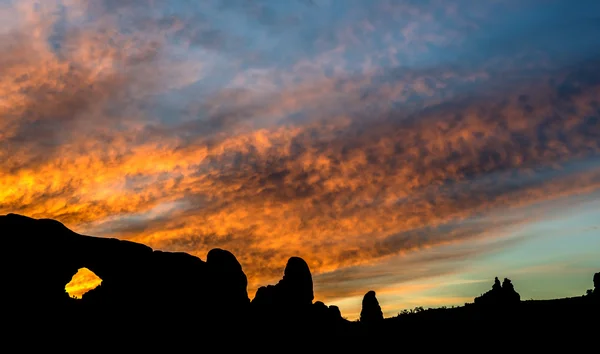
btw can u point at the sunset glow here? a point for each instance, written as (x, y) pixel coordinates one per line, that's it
(416, 148)
(83, 281)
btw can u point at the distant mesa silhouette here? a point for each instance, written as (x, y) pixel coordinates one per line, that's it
(371, 311)
(500, 295)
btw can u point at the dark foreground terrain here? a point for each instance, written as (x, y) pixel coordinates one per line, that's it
(152, 299)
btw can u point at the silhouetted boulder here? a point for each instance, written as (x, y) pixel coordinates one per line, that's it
(326, 314)
(265, 297)
(496, 286)
(228, 283)
(335, 312)
(500, 295)
(320, 309)
(596, 292)
(371, 311)
(292, 293)
(320, 305)
(297, 282)
(508, 292)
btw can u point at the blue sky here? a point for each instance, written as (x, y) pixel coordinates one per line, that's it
(414, 148)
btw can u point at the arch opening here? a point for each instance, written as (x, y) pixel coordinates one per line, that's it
(82, 282)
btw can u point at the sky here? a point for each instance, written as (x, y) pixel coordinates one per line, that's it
(414, 148)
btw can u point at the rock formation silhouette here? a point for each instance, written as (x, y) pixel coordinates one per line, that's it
(496, 287)
(147, 286)
(371, 311)
(500, 295)
(294, 292)
(331, 314)
(291, 296)
(134, 277)
(149, 296)
(227, 281)
(596, 292)
(509, 293)
(335, 312)
(286, 309)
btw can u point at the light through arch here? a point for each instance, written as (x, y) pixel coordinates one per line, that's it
(82, 282)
